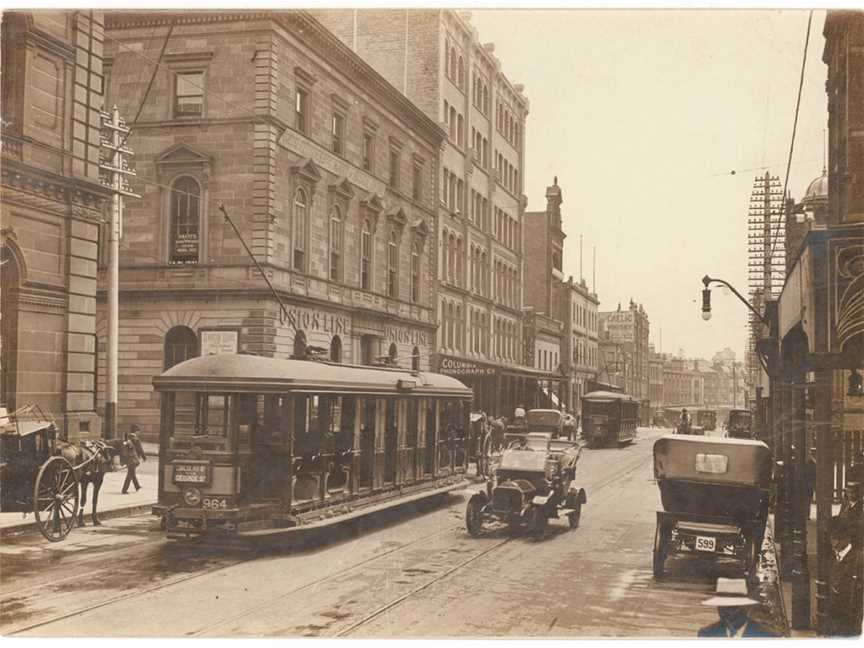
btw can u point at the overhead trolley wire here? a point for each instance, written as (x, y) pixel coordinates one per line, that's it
(776, 235)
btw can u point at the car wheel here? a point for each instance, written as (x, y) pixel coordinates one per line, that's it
(659, 551)
(751, 558)
(537, 522)
(474, 516)
(574, 517)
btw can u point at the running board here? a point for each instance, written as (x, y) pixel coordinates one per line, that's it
(363, 511)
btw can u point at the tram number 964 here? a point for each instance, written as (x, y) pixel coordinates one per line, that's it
(214, 503)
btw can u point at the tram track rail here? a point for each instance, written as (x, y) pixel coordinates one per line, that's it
(605, 481)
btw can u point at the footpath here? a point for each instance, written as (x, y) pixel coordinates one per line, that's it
(112, 503)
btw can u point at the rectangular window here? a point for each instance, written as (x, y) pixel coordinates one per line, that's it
(337, 130)
(368, 151)
(189, 94)
(417, 183)
(394, 168)
(301, 110)
(365, 258)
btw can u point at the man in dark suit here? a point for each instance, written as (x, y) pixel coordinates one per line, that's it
(132, 454)
(733, 606)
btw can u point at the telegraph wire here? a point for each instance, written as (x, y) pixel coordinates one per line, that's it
(776, 235)
(149, 84)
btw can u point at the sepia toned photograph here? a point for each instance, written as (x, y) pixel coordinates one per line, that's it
(432, 323)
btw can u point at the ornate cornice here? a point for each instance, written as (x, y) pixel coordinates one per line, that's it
(52, 191)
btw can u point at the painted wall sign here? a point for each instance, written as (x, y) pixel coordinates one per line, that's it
(309, 320)
(404, 335)
(459, 367)
(216, 342)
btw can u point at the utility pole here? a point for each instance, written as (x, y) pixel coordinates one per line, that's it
(114, 172)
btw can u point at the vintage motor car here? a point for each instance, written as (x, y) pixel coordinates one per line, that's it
(738, 426)
(715, 498)
(533, 482)
(706, 419)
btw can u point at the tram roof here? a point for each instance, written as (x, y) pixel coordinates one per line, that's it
(257, 374)
(608, 395)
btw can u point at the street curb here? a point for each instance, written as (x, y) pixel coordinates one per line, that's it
(26, 528)
(770, 587)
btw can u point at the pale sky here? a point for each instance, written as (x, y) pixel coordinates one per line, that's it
(642, 115)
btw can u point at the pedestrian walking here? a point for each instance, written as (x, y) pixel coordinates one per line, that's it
(733, 606)
(131, 455)
(846, 613)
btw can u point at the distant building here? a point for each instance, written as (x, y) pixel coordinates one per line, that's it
(52, 205)
(630, 327)
(436, 59)
(576, 307)
(655, 378)
(683, 385)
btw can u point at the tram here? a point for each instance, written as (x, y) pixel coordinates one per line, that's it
(609, 418)
(252, 446)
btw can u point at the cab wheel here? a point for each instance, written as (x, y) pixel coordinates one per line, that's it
(574, 517)
(474, 517)
(537, 522)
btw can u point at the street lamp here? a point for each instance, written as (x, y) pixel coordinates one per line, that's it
(706, 299)
(706, 303)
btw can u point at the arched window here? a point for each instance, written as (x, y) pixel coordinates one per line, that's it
(460, 71)
(460, 130)
(393, 353)
(366, 255)
(415, 272)
(452, 123)
(335, 272)
(415, 359)
(392, 266)
(185, 221)
(301, 216)
(453, 72)
(336, 349)
(299, 345)
(181, 343)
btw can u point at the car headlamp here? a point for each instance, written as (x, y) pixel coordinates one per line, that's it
(192, 496)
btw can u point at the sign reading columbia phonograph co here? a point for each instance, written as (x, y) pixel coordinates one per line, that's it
(458, 367)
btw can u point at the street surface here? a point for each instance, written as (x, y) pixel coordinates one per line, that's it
(417, 575)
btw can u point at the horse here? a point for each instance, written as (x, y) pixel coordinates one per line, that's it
(91, 459)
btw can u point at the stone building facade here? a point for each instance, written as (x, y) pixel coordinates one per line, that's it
(52, 203)
(329, 173)
(436, 58)
(576, 308)
(631, 327)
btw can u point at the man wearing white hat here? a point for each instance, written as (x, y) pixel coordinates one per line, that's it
(733, 605)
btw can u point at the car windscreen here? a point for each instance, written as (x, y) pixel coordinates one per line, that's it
(540, 418)
(523, 460)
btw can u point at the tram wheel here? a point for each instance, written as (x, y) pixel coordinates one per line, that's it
(55, 499)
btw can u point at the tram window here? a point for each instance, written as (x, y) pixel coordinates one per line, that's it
(213, 415)
(184, 414)
(346, 429)
(247, 418)
(413, 423)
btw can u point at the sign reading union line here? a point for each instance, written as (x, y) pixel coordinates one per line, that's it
(455, 367)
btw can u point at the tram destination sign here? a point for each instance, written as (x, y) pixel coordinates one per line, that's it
(191, 472)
